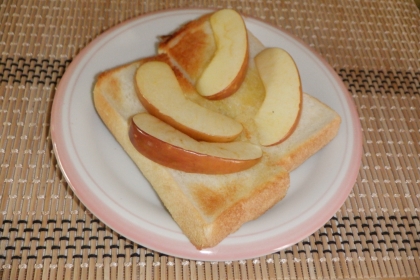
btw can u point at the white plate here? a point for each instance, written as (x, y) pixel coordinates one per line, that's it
(109, 184)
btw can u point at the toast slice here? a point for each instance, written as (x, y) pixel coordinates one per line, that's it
(244, 104)
(208, 208)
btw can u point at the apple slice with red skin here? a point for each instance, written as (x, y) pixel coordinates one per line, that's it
(227, 69)
(169, 147)
(280, 111)
(160, 93)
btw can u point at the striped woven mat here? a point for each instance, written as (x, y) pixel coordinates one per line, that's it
(47, 233)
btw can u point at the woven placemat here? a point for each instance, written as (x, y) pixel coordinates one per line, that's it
(46, 233)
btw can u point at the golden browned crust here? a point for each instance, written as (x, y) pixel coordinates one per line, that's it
(191, 47)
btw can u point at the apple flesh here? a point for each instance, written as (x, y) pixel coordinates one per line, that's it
(279, 113)
(226, 70)
(169, 147)
(160, 93)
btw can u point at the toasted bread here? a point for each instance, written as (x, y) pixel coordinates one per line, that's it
(244, 104)
(208, 208)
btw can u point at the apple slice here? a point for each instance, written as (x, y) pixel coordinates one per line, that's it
(160, 93)
(226, 70)
(167, 146)
(279, 114)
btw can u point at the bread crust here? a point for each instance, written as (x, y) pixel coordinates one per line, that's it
(192, 46)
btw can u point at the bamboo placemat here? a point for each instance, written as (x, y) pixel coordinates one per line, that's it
(46, 233)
